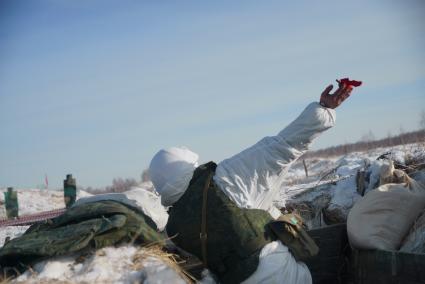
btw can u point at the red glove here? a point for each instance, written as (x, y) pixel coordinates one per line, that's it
(345, 86)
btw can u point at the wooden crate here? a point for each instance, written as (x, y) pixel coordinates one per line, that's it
(387, 267)
(331, 264)
(337, 262)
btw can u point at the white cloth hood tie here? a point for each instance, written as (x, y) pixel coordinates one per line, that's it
(171, 171)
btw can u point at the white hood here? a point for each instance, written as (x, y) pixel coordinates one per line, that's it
(171, 171)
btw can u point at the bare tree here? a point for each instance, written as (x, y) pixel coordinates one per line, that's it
(121, 185)
(401, 135)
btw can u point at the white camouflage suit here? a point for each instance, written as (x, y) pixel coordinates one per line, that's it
(251, 179)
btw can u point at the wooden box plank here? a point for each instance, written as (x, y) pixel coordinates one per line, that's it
(393, 267)
(331, 264)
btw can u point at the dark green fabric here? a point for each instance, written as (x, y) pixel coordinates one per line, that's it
(86, 226)
(289, 230)
(70, 195)
(11, 204)
(235, 236)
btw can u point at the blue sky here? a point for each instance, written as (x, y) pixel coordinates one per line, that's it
(95, 88)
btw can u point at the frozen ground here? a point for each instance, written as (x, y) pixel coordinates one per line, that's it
(35, 200)
(127, 264)
(331, 185)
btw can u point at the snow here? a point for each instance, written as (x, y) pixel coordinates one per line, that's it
(346, 194)
(11, 232)
(148, 201)
(107, 265)
(127, 264)
(331, 184)
(37, 200)
(343, 166)
(151, 205)
(336, 178)
(32, 201)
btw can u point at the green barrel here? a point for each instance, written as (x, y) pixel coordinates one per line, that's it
(70, 190)
(11, 200)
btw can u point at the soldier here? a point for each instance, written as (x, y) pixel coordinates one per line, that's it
(220, 212)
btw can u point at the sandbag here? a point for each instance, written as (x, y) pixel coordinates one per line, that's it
(415, 240)
(382, 218)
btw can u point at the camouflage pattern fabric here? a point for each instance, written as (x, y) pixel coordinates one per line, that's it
(235, 236)
(86, 226)
(11, 204)
(70, 195)
(289, 230)
(69, 190)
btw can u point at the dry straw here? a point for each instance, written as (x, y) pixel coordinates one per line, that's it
(170, 259)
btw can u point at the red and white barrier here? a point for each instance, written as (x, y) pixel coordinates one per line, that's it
(31, 219)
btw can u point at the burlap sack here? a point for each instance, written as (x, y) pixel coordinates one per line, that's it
(415, 240)
(383, 217)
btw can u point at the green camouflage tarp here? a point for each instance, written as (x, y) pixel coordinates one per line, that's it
(86, 226)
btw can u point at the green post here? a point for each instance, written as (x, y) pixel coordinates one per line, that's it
(70, 190)
(11, 200)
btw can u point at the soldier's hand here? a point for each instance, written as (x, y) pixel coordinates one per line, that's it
(334, 100)
(345, 87)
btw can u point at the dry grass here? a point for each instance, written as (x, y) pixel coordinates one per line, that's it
(154, 251)
(171, 260)
(5, 281)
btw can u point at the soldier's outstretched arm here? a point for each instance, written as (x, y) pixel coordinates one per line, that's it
(253, 177)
